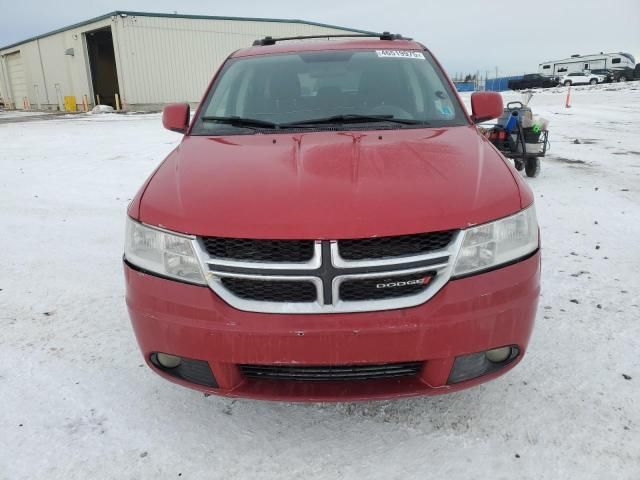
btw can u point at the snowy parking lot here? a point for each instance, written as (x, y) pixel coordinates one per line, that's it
(78, 402)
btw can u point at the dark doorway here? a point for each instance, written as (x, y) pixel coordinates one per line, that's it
(102, 64)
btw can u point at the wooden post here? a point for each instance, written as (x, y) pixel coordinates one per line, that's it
(117, 102)
(85, 103)
(97, 99)
(37, 90)
(567, 103)
(59, 98)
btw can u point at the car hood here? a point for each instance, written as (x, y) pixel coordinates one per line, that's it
(331, 184)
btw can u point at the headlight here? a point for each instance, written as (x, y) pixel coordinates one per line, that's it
(158, 251)
(497, 243)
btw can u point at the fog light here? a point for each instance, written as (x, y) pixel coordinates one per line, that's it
(466, 367)
(498, 355)
(168, 361)
(189, 369)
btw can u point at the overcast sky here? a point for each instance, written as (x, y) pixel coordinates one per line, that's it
(466, 35)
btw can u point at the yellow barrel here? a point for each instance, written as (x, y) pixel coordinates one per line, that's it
(70, 103)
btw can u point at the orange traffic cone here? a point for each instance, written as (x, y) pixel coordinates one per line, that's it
(568, 102)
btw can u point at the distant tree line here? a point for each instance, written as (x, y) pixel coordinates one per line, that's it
(461, 77)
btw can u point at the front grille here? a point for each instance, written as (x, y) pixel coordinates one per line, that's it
(328, 276)
(382, 288)
(271, 290)
(331, 372)
(398, 246)
(286, 251)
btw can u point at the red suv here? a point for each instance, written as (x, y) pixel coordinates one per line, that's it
(333, 226)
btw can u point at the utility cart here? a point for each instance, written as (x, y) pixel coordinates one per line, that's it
(518, 138)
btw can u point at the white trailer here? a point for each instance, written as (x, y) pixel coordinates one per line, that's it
(580, 63)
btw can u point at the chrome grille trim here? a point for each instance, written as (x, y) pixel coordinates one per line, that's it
(439, 263)
(310, 265)
(214, 279)
(340, 262)
(387, 304)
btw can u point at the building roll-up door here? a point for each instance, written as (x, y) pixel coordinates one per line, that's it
(17, 79)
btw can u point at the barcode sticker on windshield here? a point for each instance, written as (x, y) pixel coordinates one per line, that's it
(400, 54)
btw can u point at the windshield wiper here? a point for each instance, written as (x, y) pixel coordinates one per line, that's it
(241, 122)
(354, 118)
(254, 123)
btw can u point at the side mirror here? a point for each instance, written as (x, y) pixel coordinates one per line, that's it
(175, 117)
(486, 106)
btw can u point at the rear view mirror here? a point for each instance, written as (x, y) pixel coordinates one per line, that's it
(486, 106)
(175, 117)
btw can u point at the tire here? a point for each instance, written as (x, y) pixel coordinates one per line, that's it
(519, 164)
(532, 166)
(593, 81)
(622, 78)
(567, 83)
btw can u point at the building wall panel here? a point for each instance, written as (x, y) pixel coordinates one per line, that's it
(173, 59)
(17, 78)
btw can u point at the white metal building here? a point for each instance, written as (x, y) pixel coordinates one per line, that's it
(148, 59)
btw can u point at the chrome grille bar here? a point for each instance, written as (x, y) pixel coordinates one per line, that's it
(327, 270)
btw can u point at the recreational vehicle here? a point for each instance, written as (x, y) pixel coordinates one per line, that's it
(579, 63)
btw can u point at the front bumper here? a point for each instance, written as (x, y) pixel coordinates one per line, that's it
(469, 315)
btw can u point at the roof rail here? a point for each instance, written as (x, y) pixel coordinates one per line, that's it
(382, 36)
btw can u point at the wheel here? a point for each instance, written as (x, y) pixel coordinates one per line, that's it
(567, 83)
(593, 81)
(532, 166)
(622, 78)
(519, 164)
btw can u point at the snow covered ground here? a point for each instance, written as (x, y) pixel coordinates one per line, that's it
(10, 116)
(20, 113)
(77, 402)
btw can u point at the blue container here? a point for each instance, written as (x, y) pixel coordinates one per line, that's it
(512, 121)
(465, 86)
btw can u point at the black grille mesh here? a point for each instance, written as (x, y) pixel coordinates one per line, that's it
(331, 373)
(399, 246)
(394, 287)
(259, 250)
(272, 290)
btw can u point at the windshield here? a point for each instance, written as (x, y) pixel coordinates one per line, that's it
(392, 89)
